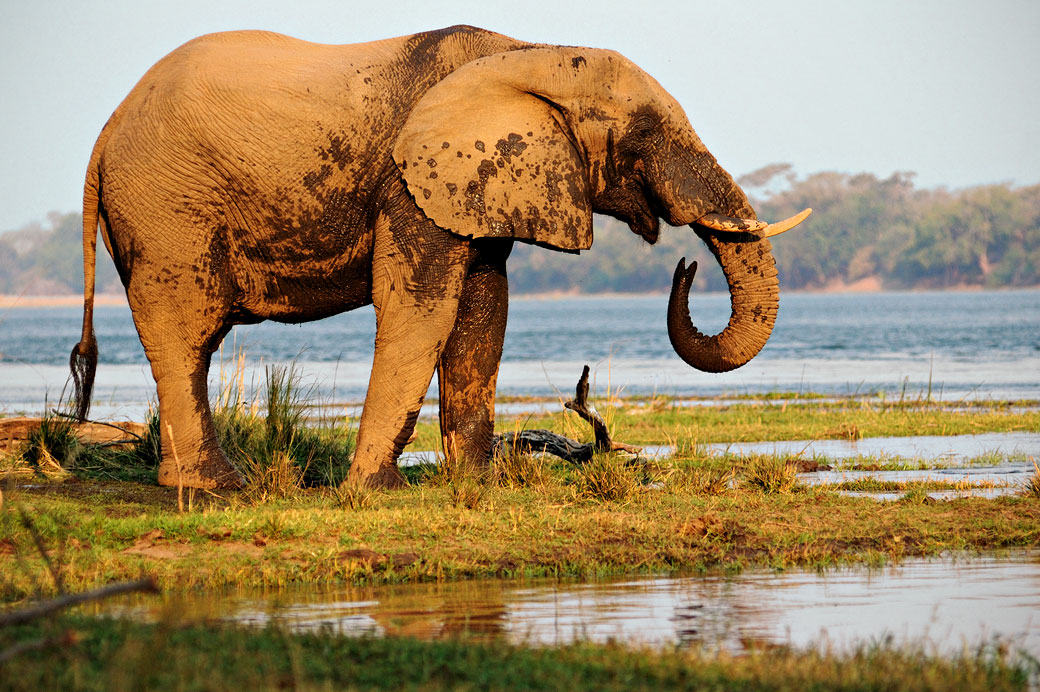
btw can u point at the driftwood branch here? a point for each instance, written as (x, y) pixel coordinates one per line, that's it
(62, 414)
(45, 608)
(533, 441)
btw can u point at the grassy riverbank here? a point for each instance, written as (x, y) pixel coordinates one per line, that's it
(527, 517)
(98, 654)
(98, 532)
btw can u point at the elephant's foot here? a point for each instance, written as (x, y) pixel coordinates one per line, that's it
(383, 477)
(211, 471)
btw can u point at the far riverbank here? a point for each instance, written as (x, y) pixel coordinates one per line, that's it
(867, 285)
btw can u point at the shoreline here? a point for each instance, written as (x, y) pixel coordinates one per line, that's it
(70, 300)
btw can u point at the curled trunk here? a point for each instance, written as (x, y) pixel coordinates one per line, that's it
(750, 270)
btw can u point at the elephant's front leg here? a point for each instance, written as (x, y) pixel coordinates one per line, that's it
(468, 368)
(417, 277)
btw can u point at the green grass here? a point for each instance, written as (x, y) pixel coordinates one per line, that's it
(1033, 486)
(663, 422)
(770, 474)
(104, 530)
(101, 654)
(523, 516)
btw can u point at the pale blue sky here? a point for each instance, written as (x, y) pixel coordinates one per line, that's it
(949, 89)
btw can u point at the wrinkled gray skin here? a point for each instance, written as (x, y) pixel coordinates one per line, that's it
(250, 176)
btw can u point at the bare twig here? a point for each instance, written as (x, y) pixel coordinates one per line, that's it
(45, 608)
(580, 405)
(180, 478)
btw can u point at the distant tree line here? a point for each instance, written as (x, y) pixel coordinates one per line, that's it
(48, 260)
(884, 232)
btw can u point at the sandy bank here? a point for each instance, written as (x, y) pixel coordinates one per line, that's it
(71, 300)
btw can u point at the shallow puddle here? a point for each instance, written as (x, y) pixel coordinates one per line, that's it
(946, 450)
(944, 604)
(950, 455)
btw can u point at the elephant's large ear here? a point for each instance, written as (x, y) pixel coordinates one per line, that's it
(486, 155)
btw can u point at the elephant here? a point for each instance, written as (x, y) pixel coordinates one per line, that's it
(251, 176)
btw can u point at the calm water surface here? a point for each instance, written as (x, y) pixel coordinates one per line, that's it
(958, 346)
(945, 604)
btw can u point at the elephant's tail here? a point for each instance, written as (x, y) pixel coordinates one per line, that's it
(84, 357)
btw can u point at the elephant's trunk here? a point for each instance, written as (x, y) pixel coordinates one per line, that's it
(701, 193)
(747, 262)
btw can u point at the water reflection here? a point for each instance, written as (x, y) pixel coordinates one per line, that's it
(947, 604)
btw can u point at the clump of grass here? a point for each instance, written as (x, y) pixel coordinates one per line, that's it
(700, 480)
(770, 474)
(52, 447)
(606, 477)
(276, 449)
(467, 492)
(272, 477)
(466, 482)
(1033, 486)
(352, 496)
(513, 469)
(846, 431)
(917, 495)
(137, 461)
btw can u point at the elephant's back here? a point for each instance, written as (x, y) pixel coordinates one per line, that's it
(257, 71)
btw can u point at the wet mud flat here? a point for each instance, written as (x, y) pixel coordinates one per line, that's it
(947, 605)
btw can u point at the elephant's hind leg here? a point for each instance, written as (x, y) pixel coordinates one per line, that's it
(179, 336)
(468, 368)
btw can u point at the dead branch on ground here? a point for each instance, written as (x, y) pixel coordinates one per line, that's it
(533, 441)
(45, 608)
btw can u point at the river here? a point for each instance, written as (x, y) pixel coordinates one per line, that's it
(953, 346)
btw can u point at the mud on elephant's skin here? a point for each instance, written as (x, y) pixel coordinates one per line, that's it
(251, 176)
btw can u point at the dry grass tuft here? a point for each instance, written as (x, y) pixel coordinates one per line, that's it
(53, 447)
(770, 474)
(607, 477)
(466, 482)
(1033, 486)
(352, 496)
(271, 477)
(518, 470)
(700, 480)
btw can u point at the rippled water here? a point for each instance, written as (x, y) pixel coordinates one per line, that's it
(953, 345)
(945, 604)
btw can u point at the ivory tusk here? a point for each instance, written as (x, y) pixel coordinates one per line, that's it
(720, 222)
(786, 225)
(732, 224)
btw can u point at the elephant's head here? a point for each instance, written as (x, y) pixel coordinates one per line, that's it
(528, 144)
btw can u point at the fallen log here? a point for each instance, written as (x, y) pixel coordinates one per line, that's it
(15, 432)
(545, 441)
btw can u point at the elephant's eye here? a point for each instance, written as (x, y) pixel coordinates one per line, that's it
(642, 130)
